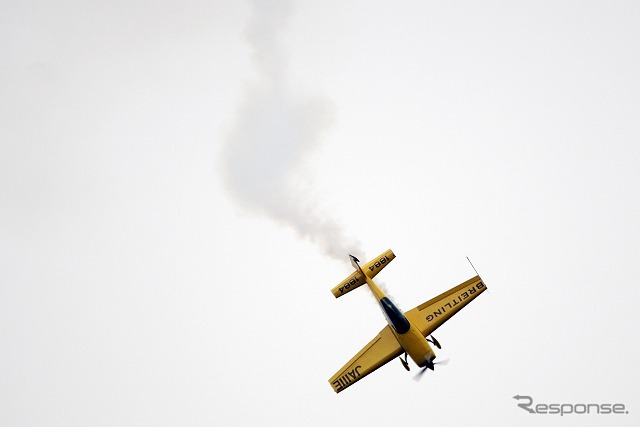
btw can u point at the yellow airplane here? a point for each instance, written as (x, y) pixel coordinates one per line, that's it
(406, 332)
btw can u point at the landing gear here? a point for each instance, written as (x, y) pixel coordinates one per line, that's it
(404, 362)
(434, 342)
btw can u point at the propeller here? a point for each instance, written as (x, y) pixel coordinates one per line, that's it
(430, 365)
(434, 341)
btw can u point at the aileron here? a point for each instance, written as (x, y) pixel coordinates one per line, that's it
(380, 350)
(430, 315)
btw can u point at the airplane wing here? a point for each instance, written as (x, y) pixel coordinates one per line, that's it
(380, 350)
(432, 314)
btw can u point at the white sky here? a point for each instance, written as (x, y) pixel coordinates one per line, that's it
(135, 291)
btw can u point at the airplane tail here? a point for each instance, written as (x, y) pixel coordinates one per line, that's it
(357, 279)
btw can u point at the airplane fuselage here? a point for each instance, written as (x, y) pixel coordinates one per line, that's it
(407, 334)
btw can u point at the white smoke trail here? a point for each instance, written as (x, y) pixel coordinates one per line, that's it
(274, 131)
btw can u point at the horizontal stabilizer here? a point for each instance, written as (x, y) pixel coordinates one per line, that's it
(357, 279)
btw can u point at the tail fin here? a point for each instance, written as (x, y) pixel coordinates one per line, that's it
(354, 262)
(370, 269)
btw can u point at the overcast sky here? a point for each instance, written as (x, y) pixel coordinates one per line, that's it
(180, 182)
